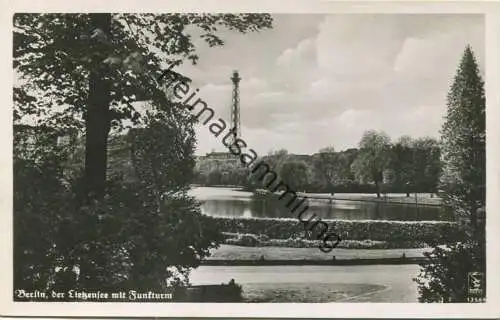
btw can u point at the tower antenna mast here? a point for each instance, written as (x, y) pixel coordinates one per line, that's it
(235, 106)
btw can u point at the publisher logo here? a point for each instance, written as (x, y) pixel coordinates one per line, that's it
(475, 282)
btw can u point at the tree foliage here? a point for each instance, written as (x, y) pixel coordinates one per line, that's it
(373, 157)
(37, 188)
(162, 154)
(87, 70)
(275, 159)
(326, 164)
(462, 187)
(294, 174)
(402, 162)
(90, 72)
(416, 163)
(172, 232)
(146, 233)
(413, 165)
(463, 134)
(55, 54)
(427, 163)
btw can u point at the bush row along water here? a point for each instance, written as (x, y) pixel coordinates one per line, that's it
(252, 240)
(390, 231)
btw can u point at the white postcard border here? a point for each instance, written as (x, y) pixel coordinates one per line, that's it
(343, 310)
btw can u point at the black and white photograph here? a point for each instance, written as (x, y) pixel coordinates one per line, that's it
(248, 158)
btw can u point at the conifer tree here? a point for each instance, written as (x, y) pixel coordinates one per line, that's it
(462, 182)
(444, 278)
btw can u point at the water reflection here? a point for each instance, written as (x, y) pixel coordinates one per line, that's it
(231, 203)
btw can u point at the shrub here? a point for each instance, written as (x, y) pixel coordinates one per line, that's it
(444, 278)
(236, 291)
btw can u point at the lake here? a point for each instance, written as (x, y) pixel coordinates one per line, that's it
(229, 202)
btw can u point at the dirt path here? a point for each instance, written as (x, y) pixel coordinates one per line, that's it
(374, 283)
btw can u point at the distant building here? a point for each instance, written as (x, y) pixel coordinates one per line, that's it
(27, 138)
(216, 161)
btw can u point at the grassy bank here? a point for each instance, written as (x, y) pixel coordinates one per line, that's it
(420, 199)
(230, 252)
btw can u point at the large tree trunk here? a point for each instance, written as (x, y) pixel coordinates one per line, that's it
(97, 120)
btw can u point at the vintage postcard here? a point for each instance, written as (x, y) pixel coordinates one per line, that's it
(327, 160)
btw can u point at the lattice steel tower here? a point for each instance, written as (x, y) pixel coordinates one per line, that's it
(235, 105)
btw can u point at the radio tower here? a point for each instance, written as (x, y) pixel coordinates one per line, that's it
(235, 106)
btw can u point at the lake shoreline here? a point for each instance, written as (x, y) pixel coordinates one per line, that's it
(422, 199)
(234, 202)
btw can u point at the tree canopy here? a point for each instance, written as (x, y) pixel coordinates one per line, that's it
(55, 53)
(373, 157)
(88, 70)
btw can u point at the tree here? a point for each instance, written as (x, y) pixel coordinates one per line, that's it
(38, 188)
(462, 187)
(67, 236)
(427, 162)
(325, 163)
(145, 234)
(416, 163)
(462, 182)
(239, 176)
(373, 158)
(89, 70)
(162, 155)
(275, 159)
(231, 174)
(294, 174)
(345, 159)
(171, 236)
(402, 162)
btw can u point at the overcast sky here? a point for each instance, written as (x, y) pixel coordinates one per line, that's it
(322, 80)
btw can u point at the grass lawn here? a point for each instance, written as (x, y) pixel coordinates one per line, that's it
(230, 252)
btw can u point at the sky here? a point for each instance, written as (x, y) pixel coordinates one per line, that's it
(322, 80)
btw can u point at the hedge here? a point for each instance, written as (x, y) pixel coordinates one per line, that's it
(251, 240)
(429, 232)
